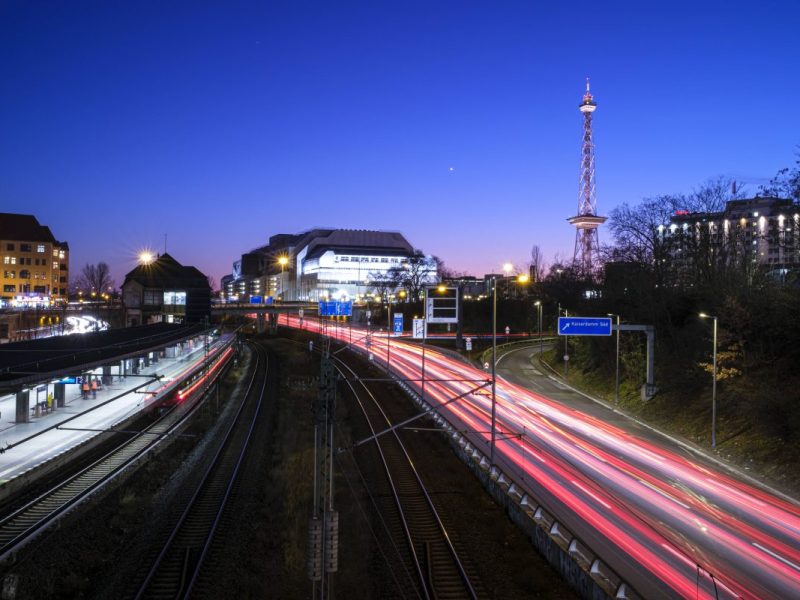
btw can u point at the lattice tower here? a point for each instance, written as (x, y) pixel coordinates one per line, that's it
(586, 259)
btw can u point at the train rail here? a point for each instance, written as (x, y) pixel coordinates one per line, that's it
(409, 510)
(178, 565)
(25, 523)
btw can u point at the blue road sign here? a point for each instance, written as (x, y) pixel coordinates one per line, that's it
(398, 323)
(584, 326)
(256, 299)
(335, 309)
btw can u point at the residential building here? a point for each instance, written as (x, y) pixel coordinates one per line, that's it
(35, 266)
(763, 230)
(164, 291)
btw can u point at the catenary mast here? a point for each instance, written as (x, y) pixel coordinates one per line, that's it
(586, 259)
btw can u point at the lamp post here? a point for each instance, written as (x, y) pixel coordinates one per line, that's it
(616, 380)
(282, 261)
(494, 367)
(538, 304)
(713, 385)
(566, 347)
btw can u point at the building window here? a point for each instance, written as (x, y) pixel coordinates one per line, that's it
(55, 265)
(6, 260)
(40, 248)
(25, 248)
(10, 274)
(10, 247)
(152, 297)
(9, 288)
(24, 274)
(61, 254)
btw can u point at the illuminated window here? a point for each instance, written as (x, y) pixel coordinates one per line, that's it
(174, 298)
(40, 248)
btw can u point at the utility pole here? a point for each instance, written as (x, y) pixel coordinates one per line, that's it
(323, 535)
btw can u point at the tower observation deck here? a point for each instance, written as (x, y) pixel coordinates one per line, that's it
(586, 259)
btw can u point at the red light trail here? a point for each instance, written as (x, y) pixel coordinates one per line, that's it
(668, 525)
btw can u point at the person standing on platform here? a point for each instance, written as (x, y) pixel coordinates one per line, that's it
(94, 387)
(85, 388)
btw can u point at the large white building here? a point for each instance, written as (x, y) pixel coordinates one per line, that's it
(322, 263)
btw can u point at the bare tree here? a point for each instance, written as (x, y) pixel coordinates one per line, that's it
(413, 274)
(786, 184)
(95, 278)
(536, 266)
(444, 271)
(212, 283)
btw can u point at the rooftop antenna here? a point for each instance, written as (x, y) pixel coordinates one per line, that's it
(165, 243)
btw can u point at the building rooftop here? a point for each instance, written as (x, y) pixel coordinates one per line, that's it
(23, 363)
(165, 271)
(24, 228)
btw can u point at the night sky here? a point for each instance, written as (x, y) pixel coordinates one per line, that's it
(456, 123)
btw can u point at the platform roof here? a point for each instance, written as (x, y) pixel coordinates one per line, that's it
(27, 363)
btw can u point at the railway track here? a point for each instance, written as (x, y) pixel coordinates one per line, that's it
(25, 523)
(437, 571)
(178, 563)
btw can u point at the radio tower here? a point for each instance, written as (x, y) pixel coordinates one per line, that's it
(587, 247)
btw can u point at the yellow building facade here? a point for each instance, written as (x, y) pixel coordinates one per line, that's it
(34, 266)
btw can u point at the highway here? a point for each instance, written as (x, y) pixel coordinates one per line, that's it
(670, 523)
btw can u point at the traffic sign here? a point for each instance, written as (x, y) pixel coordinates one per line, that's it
(442, 306)
(335, 309)
(398, 323)
(584, 326)
(419, 328)
(256, 299)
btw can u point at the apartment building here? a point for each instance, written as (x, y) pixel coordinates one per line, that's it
(35, 266)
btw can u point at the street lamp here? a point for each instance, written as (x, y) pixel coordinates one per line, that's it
(282, 261)
(538, 304)
(494, 367)
(713, 385)
(616, 381)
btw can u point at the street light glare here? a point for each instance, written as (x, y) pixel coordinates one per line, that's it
(145, 258)
(523, 278)
(508, 267)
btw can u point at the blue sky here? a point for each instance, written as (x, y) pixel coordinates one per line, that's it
(223, 123)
